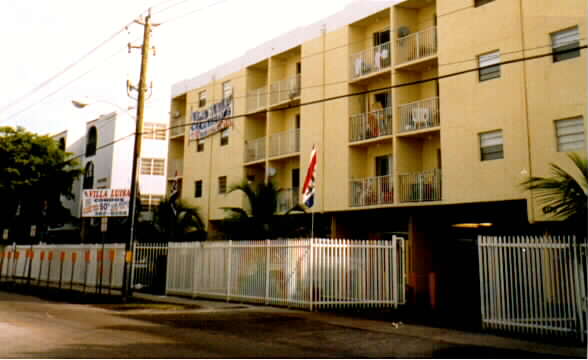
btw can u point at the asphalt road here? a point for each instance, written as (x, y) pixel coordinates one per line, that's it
(34, 328)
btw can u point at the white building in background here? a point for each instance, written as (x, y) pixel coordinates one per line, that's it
(104, 147)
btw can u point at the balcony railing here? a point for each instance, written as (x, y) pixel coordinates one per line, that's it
(370, 125)
(284, 143)
(418, 115)
(255, 149)
(372, 191)
(287, 199)
(370, 61)
(416, 46)
(177, 127)
(420, 186)
(175, 168)
(285, 90)
(257, 99)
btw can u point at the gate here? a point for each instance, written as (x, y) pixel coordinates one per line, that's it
(149, 267)
(533, 284)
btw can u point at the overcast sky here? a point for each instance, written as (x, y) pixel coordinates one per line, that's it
(41, 38)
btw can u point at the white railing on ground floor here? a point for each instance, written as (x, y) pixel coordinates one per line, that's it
(533, 284)
(149, 266)
(370, 125)
(374, 190)
(420, 186)
(304, 273)
(255, 149)
(64, 265)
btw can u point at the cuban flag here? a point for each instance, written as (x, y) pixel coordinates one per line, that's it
(309, 182)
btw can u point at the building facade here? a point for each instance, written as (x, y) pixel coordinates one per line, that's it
(427, 115)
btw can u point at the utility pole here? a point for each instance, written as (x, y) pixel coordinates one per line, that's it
(141, 89)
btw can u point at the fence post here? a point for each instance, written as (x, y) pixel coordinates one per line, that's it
(395, 270)
(311, 271)
(229, 253)
(267, 265)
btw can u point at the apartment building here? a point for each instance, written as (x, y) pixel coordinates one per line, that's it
(105, 150)
(426, 115)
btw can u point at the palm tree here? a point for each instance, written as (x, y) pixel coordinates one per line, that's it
(179, 221)
(563, 194)
(259, 220)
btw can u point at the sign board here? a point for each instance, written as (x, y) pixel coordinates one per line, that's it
(103, 224)
(212, 120)
(105, 202)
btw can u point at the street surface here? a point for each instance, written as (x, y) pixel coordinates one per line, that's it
(34, 328)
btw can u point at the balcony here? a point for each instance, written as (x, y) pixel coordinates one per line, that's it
(420, 186)
(370, 61)
(285, 90)
(370, 125)
(416, 46)
(257, 99)
(284, 143)
(375, 190)
(255, 150)
(419, 115)
(175, 169)
(287, 199)
(177, 128)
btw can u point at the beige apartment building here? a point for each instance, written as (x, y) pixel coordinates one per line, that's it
(427, 114)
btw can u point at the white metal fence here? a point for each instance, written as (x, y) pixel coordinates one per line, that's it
(255, 149)
(89, 266)
(286, 142)
(416, 46)
(149, 266)
(370, 61)
(418, 115)
(285, 90)
(304, 273)
(370, 125)
(533, 284)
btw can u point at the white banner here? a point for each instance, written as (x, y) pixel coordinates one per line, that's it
(211, 120)
(105, 202)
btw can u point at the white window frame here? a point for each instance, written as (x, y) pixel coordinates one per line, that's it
(150, 201)
(154, 131)
(489, 64)
(565, 40)
(227, 89)
(202, 98)
(570, 134)
(491, 139)
(154, 167)
(222, 184)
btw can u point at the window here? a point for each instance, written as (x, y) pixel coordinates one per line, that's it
(570, 134)
(154, 131)
(62, 144)
(149, 202)
(198, 189)
(489, 66)
(202, 98)
(89, 176)
(298, 68)
(227, 90)
(481, 2)
(222, 185)
(381, 37)
(491, 145)
(199, 145)
(224, 140)
(297, 121)
(91, 141)
(295, 178)
(152, 166)
(565, 44)
(383, 165)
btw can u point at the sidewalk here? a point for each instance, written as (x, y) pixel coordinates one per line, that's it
(449, 336)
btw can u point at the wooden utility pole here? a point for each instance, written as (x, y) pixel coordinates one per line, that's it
(141, 89)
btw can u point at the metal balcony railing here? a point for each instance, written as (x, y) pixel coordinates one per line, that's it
(422, 114)
(370, 125)
(284, 143)
(285, 90)
(420, 186)
(177, 127)
(370, 61)
(416, 46)
(255, 149)
(175, 168)
(287, 199)
(257, 99)
(372, 191)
